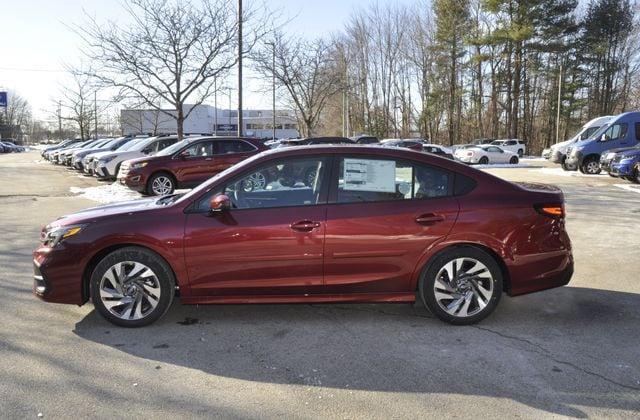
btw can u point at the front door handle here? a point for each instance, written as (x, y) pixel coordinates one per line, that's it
(305, 225)
(429, 219)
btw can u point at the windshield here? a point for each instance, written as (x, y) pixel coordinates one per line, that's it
(172, 149)
(131, 144)
(588, 132)
(205, 186)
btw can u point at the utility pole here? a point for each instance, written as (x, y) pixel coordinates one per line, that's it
(273, 86)
(59, 120)
(95, 111)
(559, 103)
(240, 68)
(215, 106)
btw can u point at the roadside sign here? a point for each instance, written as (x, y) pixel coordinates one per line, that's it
(3, 99)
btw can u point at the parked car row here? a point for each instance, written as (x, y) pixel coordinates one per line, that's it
(9, 146)
(609, 143)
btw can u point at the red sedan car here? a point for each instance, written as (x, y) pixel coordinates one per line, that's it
(373, 225)
(185, 164)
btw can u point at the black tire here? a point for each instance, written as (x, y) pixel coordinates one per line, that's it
(167, 180)
(590, 166)
(427, 284)
(514, 160)
(483, 160)
(635, 177)
(153, 261)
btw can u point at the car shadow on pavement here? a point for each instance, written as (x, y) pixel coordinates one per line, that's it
(554, 351)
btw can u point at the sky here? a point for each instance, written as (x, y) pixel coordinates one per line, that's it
(38, 42)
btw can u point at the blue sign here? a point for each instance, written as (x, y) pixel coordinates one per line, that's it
(3, 99)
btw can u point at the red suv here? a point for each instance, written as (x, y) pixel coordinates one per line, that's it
(374, 225)
(186, 163)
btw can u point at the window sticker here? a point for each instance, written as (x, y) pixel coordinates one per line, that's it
(369, 175)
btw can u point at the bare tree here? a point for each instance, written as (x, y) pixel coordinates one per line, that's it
(76, 102)
(170, 53)
(305, 70)
(17, 116)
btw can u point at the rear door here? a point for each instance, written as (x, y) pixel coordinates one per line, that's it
(383, 214)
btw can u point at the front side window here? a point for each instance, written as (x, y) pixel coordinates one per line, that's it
(372, 180)
(283, 183)
(615, 132)
(202, 149)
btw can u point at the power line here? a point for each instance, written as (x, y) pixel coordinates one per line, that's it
(32, 69)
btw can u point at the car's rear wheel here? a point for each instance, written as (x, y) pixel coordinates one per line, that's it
(132, 287)
(590, 166)
(635, 177)
(514, 160)
(462, 286)
(161, 184)
(483, 160)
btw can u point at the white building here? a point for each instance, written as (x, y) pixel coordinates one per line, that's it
(202, 120)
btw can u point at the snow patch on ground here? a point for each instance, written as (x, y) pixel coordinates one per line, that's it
(562, 172)
(110, 193)
(533, 159)
(502, 165)
(629, 187)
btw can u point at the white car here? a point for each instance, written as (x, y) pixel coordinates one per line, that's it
(486, 154)
(107, 165)
(558, 151)
(512, 145)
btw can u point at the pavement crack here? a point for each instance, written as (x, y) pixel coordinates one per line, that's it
(540, 350)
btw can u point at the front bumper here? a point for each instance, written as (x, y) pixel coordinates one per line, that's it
(574, 160)
(556, 157)
(621, 169)
(134, 180)
(102, 171)
(57, 275)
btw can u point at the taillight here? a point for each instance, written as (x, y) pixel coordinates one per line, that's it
(552, 210)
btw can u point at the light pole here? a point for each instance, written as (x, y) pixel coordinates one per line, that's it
(239, 68)
(215, 106)
(559, 104)
(273, 87)
(95, 112)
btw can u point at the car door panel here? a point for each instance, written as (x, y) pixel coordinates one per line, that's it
(255, 251)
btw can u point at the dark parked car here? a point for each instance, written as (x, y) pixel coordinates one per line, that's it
(363, 139)
(185, 164)
(406, 143)
(439, 150)
(377, 225)
(314, 141)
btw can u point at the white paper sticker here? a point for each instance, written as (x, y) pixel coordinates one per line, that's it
(370, 175)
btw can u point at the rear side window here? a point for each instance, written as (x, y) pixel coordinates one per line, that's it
(374, 180)
(224, 147)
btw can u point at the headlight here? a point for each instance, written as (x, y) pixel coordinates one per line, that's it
(107, 159)
(53, 236)
(139, 165)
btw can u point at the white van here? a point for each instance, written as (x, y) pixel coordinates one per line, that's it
(558, 152)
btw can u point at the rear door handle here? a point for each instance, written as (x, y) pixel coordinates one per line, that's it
(305, 225)
(429, 219)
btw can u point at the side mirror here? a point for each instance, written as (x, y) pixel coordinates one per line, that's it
(604, 137)
(220, 203)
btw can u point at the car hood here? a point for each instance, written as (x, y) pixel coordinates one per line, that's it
(109, 210)
(629, 151)
(101, 153)
(562, 144)
(150, 159)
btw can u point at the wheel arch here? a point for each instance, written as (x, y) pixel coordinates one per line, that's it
(100, 254)
(506, 278)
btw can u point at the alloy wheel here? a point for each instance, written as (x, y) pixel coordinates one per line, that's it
(130, 290)
(255, 181)
(162, 185)
(463, 287)
(592, 167)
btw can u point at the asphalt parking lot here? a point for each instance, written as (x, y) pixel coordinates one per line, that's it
(573, 351)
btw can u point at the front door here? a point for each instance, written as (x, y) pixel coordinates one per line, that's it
(383, 215)
(270, 242)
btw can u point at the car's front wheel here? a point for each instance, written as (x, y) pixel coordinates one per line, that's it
(483, 160)
(161, 184)
(462, 286)
(132, 287)
(590, 167)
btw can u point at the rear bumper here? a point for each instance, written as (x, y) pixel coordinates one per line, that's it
(554, 271)
(103, 172)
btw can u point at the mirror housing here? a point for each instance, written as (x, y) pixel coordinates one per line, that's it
(220, 203)
(604, 137)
